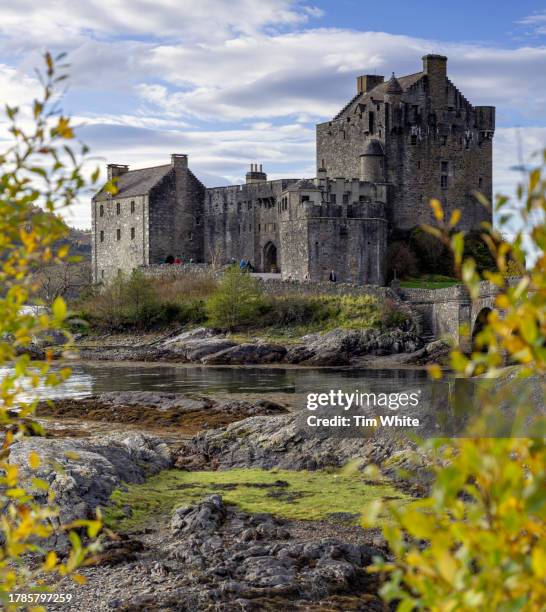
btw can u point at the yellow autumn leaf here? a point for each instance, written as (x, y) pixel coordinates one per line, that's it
(447, 566)
(437, 209)
(34, 460)
(50, 561)
(538, 561)
(79, 578)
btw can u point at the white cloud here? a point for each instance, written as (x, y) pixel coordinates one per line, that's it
(65, 22)
(258, 76)
(536, 23)
(259, 73)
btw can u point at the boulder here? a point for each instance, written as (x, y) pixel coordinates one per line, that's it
(247, 353)
(83, 472)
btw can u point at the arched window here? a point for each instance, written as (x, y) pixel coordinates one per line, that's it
(132, 206)
(118, 208)
(101, 210)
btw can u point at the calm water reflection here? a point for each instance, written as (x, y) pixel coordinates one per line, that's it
(100, 378)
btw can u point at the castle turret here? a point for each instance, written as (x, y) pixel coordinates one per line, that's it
(256, 175)
(372, 162)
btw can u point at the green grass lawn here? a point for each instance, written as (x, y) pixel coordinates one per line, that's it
(288, 494)
(431, 281)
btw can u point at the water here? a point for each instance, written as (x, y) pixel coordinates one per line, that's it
(97, 378)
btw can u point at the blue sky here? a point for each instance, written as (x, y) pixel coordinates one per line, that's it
(241, 81)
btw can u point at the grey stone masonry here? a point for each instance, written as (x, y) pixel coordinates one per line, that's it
(395, 145)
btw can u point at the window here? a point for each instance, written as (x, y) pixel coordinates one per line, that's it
(132, 206)
(345, 198)
(101, 211)
(198, 220)
(419, 165)
(132, 233)
(190, 235)
(413, 139)
(102, 273)
(444, 140)
(371, 122)
(480, 182)
(118, 234)
(118, 208)
(333, 198)
(304, 198)
(102, 236)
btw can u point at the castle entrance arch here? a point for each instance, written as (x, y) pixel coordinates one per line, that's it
(270, 263)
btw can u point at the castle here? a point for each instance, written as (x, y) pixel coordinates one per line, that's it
(394, 146)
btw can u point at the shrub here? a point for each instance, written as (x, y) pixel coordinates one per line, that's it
(391, 316)
(238, 301)
(295, 310)
(433, 256)
(476, 248)
(357, 311)
(401, 261)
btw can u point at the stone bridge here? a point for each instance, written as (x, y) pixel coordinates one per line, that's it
(442, 312)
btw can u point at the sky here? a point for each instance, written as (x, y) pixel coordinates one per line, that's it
(234, 82)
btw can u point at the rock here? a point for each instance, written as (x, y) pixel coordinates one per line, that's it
(341, 346)
(206, 517)
(268, 442)
(238, 566)
(83, 472)
(247, 354)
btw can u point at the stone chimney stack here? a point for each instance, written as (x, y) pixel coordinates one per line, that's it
(435, 67)
(179, 161)
(256, 174)
(115, 170)
(367, 82)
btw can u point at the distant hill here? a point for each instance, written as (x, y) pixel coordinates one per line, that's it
(79, 242)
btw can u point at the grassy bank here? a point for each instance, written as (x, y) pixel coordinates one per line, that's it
(293, 495)
(236, 304)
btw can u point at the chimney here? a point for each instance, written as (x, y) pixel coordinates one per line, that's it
(367, 82)
(256, 174)
(179, 161)
(115, 170)
(435, 67)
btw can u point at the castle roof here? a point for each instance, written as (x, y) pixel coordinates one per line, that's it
(377, 94)
(137, 182)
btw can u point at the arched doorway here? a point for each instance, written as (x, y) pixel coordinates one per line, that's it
(270, 258)
(479, 324)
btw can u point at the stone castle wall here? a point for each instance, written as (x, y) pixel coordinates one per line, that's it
(119, 238)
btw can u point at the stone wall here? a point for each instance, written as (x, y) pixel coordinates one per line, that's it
(241, 222)
(119, 236)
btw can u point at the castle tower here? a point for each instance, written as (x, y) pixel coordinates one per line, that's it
(372, 162)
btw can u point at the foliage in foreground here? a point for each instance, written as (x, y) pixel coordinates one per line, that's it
(37, 168)
(478, 542)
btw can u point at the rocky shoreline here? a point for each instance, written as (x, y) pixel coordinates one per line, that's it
(339, 347)
(207, 555)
